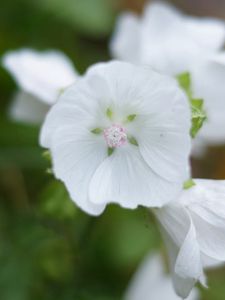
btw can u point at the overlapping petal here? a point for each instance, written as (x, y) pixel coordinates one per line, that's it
(76, 155)
(194, 231)
(27, 108)
(126, 39)
(42, 74)
(150, 281)
(208, 84)
(168, 40)
(125, 178)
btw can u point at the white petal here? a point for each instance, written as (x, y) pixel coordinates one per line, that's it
(164, 139)
(210, 263)
(172, 42)
(125, 42)
(211, 238)
(78, 104)
(125, 178)
(175, 220)
(42, 74)
(188, 263)
(182, 245)
(26, 108)
(76, 154)
(208, 83)
(164, 42)
(123, 81)
(209, 32)
(182, 286)
(147, 280)
(160, 14)
(150, 282)
(206, 203)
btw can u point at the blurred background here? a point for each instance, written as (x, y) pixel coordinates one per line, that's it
(49, 249)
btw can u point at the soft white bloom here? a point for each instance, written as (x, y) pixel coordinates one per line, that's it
(27, 108)
(172, 43)
(151, 282)
(120, 134)
(194, 231)
(40, 76)
(165, 38)
(208, 79)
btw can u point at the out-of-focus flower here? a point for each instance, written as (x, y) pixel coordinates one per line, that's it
(151, 282)
(166, 39)
(208, 79)
(40, 76)
(27, 108)
(194, 231)
(173, 43)
(120, 134)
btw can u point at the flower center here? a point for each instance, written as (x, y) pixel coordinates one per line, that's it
(115, 136)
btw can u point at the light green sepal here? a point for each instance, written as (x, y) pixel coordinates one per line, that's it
(131, 118)
(133, 141)
(109, 113)
(96, 130)
(184, 80)
(188, 184)
(110, 151)
(47, 155)
(198, 114)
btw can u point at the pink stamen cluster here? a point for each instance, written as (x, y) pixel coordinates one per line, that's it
(115, 136)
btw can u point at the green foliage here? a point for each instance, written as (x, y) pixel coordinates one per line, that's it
(93, 17)
(19, 145)
(197, 105)
(55, 202)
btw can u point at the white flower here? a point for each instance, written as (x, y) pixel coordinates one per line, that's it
(194, 231)
(151, 282)
(208, 79)
(165, 38)
(40, 76)
(120, 134)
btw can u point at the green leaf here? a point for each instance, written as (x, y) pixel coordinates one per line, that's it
(184, 81)
(198, 114)
(188, 184)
